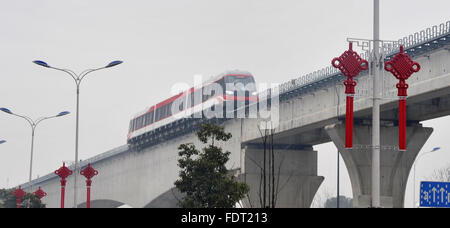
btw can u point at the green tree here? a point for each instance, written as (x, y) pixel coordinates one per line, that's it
(204, 180)
(8, 200)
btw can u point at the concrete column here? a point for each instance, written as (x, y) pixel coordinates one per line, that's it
(296, 180)
(395, 164)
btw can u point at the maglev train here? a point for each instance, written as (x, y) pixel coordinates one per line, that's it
(191, 102)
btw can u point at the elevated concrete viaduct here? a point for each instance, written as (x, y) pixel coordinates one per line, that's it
(311, 112)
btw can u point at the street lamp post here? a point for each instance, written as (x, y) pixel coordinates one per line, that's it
(77, 78)
(415, 163)
(337, 187)
(376, 198)
(33, 124)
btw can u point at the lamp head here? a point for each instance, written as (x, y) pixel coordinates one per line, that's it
(6, 110)
(435, 149)
(41, 63)
(114, 63)
(63, 113)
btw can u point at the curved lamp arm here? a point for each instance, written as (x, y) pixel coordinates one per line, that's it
(28, 119)
(77, 77)
(34, 123)
(84, 73)
(37, 121)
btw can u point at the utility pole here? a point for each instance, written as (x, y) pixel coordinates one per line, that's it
(376, 107)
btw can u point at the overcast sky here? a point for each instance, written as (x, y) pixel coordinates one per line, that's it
(167, 42)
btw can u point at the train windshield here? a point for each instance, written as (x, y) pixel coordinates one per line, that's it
(239, 81)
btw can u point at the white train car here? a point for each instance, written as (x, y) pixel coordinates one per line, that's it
(194, 101)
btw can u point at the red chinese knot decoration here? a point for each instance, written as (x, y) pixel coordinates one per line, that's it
(19, 193)
(88, 172)
(350, 64)
(402, 67)
(40, 193)
(63, 173)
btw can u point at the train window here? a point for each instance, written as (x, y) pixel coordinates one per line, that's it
(139, 124)
(141, 121)
(239, 79)
(157, 114)
(136, 124)
(163, 112)
(205, 97)
(198, 97)
(150, 119)
(146, 119)
(189, 100)
(169, 110)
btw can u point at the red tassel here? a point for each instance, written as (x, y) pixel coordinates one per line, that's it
(402, 124)
(349, 123)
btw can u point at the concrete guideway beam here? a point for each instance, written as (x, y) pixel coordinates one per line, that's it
(395, 164)
(296, 181)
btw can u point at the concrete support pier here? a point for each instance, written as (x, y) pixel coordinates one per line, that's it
(395, 164)
(296, 181)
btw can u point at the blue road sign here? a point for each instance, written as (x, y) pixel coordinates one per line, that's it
(434, 194)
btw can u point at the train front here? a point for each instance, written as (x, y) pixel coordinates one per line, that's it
(240, 95)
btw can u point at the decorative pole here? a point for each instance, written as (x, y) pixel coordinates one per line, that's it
(350, 64)
(88, 172)
(40, 193)
(402, 67)
(19, 193)
(63, 172)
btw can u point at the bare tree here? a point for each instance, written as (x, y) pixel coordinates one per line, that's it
(320, 198)
(269, 182)
(442, 174)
